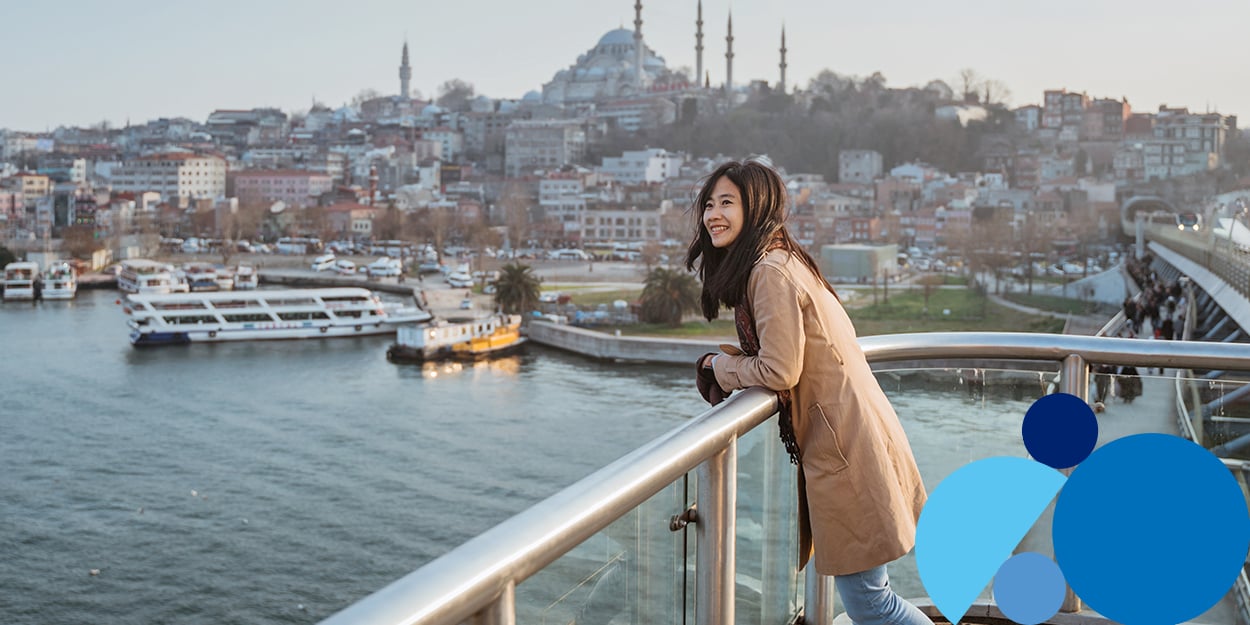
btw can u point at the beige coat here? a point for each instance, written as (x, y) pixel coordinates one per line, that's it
(860, 492)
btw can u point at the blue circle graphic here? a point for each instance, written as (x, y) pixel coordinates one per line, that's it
(1029, 588)
(1060, 430)
(1151, 529)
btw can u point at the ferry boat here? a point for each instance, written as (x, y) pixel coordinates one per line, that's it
(19, 280)
(181, 318)
(201, 277)
(60, 281)
(459, 340)
(143, 276)
(245, 278)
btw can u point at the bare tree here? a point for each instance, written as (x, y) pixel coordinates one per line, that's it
(515, 201)
(454, 95)
(969, 83)
(363, 96)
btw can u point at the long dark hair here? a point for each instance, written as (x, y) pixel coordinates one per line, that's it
(724, 271)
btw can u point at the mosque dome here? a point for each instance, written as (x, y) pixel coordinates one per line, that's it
(617, 37)
(432, 109)
(532, 96)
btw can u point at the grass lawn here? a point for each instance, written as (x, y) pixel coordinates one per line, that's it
(1055, 303)
(904, 312)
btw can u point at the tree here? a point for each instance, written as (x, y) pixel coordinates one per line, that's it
(365, 95)
(517, 288)
(79, 241)
(668, 295)
(6, 256)
(969, 82)
(454, 95)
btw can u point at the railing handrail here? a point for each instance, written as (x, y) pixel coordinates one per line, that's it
(468, 579)
(457, 585)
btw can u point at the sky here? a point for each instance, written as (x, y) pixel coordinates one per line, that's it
(81, 62)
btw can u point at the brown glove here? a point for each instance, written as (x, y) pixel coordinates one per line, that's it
(705, 380)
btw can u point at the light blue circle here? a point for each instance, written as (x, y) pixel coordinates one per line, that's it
(1151, 530)
(1029, 588)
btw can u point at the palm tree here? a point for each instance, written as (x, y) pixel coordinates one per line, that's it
(667, 295)
(517, 288)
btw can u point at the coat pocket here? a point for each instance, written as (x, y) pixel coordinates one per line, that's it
(830, 457)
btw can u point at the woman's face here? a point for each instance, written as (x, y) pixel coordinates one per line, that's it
(722, 215)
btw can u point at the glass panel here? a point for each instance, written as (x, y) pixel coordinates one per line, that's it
(768, 584)
(629, 573)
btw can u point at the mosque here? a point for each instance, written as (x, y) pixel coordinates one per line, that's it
(621, 66)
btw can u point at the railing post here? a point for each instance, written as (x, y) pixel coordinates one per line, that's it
(716, 532)
(817, 597)
(501, 611)
(1074, 380)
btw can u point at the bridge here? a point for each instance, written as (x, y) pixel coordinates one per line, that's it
(697, 526)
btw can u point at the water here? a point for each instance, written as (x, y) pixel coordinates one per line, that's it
(277, 482)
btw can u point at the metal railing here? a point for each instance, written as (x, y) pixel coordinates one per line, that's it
(477, 581)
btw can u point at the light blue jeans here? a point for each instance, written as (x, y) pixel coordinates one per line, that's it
(869, 600)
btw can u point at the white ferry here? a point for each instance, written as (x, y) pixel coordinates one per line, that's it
(19, 280)
(245, 278)
(462, 340)
(250, 315)
(140, 275)
(201, 277)
(60, 281)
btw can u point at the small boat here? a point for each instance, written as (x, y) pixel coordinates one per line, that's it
(225, 279)
(19, 280)
(253, 315)
(459, 340)
(245, 278)
(60, 281)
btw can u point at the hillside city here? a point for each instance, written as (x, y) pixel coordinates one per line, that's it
(605, 159)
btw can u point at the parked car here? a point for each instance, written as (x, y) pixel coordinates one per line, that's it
(323, 262)
(385, 266)
(345, 267)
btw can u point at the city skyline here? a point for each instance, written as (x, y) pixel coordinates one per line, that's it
(137, 60)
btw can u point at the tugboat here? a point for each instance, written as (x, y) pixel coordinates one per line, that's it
(470, 339)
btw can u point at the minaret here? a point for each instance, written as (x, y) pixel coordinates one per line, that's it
(639, 55)
(729, 57)
(405, 73)
(782, 86)
(698, 44)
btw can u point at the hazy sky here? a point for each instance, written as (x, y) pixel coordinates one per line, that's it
(78, 62)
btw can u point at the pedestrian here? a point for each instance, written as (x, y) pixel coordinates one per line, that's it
(860, 493)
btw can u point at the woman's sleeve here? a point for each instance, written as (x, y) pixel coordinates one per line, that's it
(777, 304)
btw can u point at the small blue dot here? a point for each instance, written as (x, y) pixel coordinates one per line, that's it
(1029, 588)
(1060, 430)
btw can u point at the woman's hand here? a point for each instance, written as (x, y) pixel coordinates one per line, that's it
(705, 380)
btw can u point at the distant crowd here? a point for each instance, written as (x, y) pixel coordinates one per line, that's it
(1161, 303)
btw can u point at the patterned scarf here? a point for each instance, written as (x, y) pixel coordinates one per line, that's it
(750, 344)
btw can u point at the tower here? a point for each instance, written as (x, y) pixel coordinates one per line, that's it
(729, 57)
(782, 87)
(698, 44)
(638, 47)
(405, 73)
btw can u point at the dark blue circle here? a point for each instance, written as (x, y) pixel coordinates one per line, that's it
(1151, 530)
(1060, 430)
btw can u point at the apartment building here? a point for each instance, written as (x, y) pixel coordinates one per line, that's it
(862, 166)
(542, 144)
(294, 187)
(174, 176)
(639, 167)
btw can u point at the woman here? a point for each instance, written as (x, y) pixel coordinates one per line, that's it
(860, 493)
